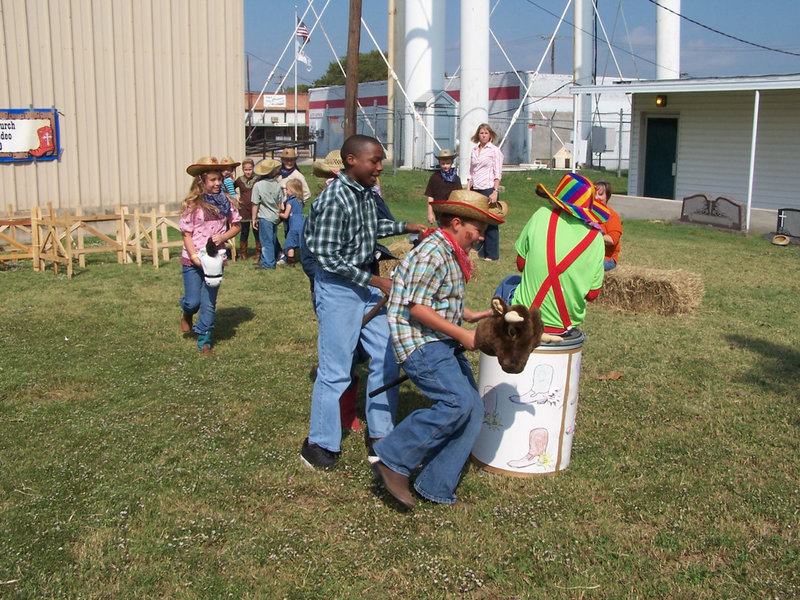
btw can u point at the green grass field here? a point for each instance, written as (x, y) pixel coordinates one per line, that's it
(131, 466)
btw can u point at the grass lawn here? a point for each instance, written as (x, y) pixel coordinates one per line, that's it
(132, 466)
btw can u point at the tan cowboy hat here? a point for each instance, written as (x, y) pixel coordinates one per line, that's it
(227, 161)
(204, 165)
(329, 166)
(446, 154)
(266, 167)
(472, 205)
(289, 153)
(781, 240)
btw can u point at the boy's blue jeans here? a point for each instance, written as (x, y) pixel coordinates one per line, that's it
(198, 298)
(267, 237)
(443, 435)
(341, 306)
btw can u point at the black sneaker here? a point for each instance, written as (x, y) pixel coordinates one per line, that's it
(317, 457)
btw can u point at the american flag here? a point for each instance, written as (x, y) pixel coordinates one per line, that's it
(302, 31)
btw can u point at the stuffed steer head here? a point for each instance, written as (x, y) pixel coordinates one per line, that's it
(510, 334)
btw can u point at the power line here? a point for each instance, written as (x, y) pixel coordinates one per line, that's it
(272, 64)
(722, 33)
(611, 44)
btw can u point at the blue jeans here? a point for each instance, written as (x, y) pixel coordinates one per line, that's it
(268, 238)
(609, 263)
(443, 435)
(341, 306)
(507, 288)
(198, 298)
(491, 237)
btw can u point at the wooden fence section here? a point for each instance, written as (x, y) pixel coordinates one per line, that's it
(14, 230)
(46, 237)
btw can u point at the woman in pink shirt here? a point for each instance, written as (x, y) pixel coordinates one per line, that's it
(208, 213)
(485, 172)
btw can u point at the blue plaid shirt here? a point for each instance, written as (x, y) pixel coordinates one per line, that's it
(342, 229)
(428, 275)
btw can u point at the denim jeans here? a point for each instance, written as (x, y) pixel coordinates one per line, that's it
(341, 306)
(268, 238)
(609, 263)
(198, 298)
(507, 288)
(490, 248)
(440, 437)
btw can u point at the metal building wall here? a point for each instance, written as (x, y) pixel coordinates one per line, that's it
(142, 87)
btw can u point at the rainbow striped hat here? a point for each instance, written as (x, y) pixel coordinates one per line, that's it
(575, 194)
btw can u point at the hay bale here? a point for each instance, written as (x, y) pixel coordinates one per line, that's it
(403, 247)
(652, 290)
(399, 249)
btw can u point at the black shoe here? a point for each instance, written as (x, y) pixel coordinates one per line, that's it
(317, 457)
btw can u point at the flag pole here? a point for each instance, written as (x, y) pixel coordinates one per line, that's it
(296, 21)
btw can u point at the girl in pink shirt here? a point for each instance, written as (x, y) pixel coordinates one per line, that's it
(485, 172)
(208, 214)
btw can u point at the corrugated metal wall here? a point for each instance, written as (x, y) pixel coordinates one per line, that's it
(142, 87)
(714, 134)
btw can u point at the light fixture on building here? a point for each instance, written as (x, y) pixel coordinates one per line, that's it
(661, 101)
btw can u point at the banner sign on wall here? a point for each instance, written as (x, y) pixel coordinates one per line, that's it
(28, 134)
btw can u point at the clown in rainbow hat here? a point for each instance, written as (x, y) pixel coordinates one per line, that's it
(560, 255)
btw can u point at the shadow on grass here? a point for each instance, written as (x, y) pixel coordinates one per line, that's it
(228, 319)
(778, 368)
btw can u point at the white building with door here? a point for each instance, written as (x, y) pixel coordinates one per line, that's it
(732, 136)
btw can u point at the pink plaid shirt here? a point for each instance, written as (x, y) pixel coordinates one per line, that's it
(485, 165)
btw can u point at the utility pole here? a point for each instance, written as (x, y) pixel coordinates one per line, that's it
(250, 106)
(351, 81)
(552, 50)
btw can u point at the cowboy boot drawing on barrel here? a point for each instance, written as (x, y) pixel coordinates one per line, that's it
(537, 447)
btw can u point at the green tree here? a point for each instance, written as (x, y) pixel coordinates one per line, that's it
(301, 89)
(370, 68)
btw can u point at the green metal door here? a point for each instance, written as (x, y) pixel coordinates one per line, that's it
(660, 150)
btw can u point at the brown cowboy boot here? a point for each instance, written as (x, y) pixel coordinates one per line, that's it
(243, 250)
(258, 251)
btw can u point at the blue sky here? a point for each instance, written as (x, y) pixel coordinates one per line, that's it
(521, 25)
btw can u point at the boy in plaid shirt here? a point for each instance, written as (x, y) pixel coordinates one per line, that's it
(426, 307)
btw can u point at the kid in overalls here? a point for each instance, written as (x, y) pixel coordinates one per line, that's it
(560, 254)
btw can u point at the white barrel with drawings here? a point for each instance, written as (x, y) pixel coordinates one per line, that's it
(529, 417)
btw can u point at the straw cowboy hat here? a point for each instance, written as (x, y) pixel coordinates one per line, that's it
(781, 240)
(472, 205)
(329, 166)
(289, 153)
(229, 162)
(266, 167)
(446, 154)
(575, 194)
(210, 163)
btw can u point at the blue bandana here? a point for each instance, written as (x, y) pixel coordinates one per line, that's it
(286, 172)
(220, 201)
(449, 176)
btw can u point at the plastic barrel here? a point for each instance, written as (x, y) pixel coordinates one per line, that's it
(529, 417)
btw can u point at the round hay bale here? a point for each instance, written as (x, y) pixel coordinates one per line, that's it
(663, 292)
